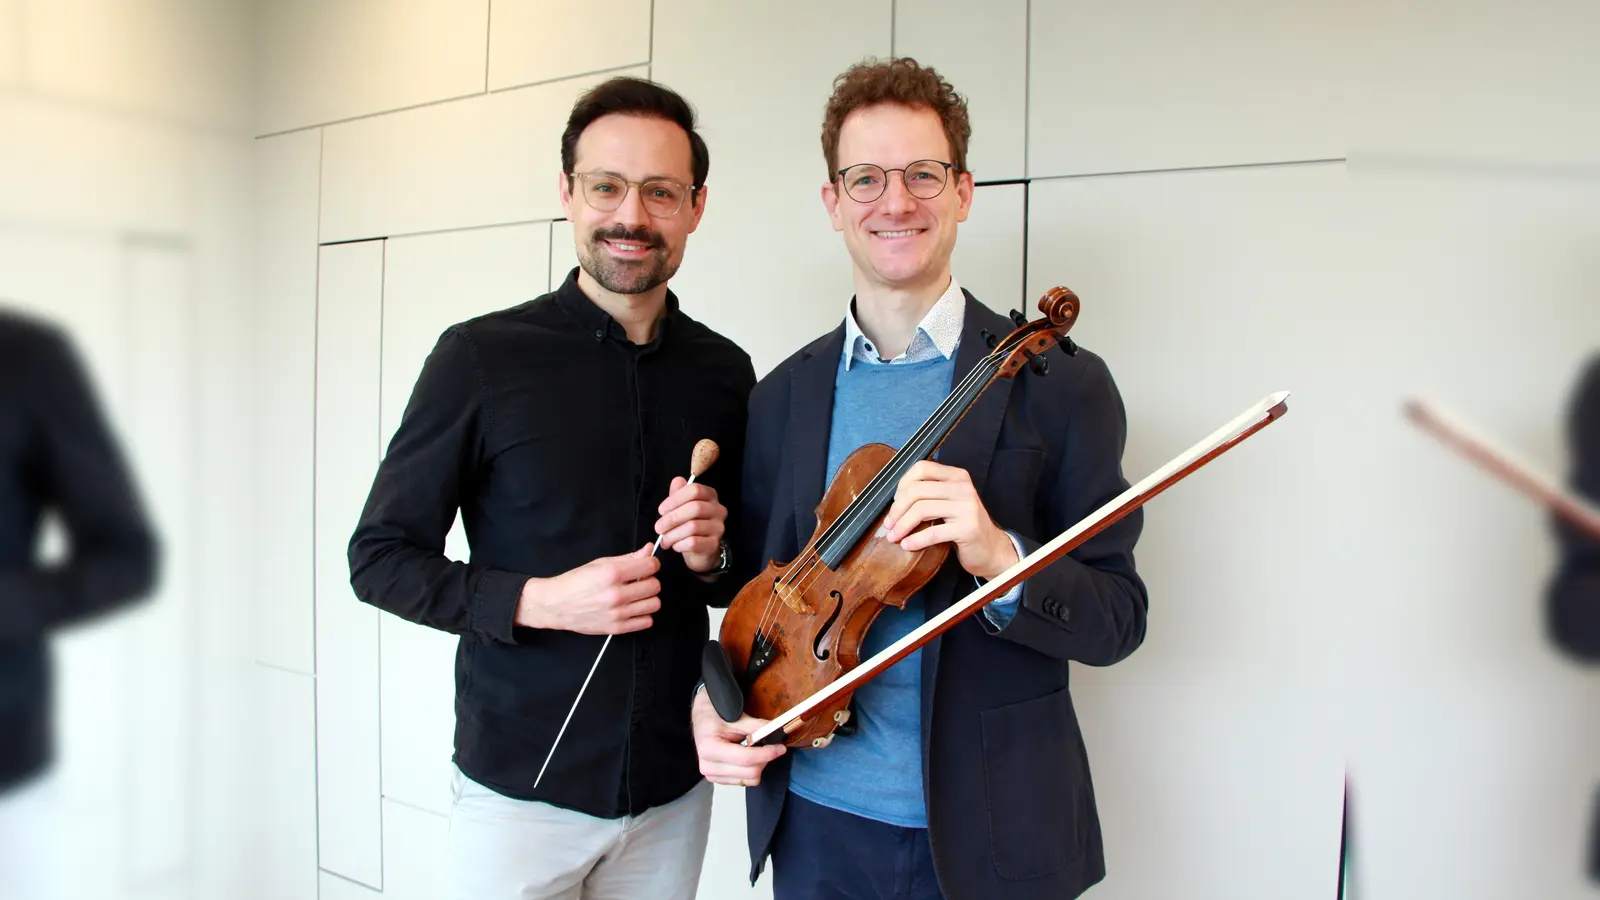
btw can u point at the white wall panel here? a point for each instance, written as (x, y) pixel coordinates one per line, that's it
(64, 166)
(430, 283)
(981, 49)
(1171, 83)
(283, 864)
(178, 59)
(349, 325)
(11, 42)
(1378, 579)
(765, 267)
(563, 252)
(989, 249)
(1501, 83)
(335, 888)
(165, 427)
(1191, 780)
(487, 160)
(286, 339)
(322, 62)
(542, 40)
(413, 866)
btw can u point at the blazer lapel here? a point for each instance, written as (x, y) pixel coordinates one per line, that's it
(810, 423)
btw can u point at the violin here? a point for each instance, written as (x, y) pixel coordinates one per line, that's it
(798, 626)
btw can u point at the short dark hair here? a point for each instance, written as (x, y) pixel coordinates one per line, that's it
(630, 96)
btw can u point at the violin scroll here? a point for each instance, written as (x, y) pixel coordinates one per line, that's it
(1024, 346)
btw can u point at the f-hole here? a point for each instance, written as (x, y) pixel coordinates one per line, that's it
(816, 645)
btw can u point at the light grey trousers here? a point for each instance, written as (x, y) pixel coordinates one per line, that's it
(506, 849)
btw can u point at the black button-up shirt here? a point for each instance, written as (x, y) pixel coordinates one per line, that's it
(557, 438)
(56, 453)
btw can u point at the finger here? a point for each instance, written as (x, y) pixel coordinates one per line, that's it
(928, 470)
(927, 537)
(927, 511)
(910, 492)
(698, 545)
(682, 493)
(722, 773)
(694, 510)
(634, 566)
(708, 527)
(628, 626)
(727, 754)
(637, 592)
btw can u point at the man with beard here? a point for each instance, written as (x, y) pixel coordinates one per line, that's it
(562, 430)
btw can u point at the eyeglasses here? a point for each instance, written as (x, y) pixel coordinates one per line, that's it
(605, 193)
(925, 179)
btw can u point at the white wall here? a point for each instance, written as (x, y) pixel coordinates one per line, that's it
(1350, 202)
(125, 218)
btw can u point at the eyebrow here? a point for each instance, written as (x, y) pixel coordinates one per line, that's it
(672, 178)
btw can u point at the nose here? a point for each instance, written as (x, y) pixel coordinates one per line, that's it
(632, 212)
(897, 197)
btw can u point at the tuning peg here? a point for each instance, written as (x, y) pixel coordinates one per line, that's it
(988, 338)
(1039, 364)
(1019, 318)
(1068, 347)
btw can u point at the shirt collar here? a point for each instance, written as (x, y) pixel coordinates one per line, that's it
(596, 322)
(936, 336)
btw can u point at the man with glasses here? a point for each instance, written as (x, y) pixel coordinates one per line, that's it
(965, 776)
(561, 430)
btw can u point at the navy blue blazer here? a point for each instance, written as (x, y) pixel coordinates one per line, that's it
(1011, 810)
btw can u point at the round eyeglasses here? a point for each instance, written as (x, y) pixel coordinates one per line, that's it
(605, 193)
(924, 179)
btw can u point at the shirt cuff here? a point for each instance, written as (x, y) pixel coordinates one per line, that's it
(1000, 610)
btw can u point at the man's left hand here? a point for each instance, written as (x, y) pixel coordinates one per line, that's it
(692, 522)
(944, 496)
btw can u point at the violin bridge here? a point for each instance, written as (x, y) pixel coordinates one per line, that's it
(793, 599)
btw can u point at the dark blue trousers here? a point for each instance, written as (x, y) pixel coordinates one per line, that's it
(820, 853)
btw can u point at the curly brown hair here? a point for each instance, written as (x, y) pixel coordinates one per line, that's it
(902, 81)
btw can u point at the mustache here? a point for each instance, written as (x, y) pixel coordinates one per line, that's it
(635, 236)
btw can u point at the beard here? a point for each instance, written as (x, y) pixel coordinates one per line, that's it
(627, 276)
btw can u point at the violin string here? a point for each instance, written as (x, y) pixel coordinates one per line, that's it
(882, 484)
(811, 558)
(865, 504)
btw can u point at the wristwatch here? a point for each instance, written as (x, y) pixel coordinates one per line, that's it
(724, 559)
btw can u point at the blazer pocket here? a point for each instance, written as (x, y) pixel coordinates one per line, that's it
(1031, 777)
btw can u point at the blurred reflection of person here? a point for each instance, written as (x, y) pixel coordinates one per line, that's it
(1574, 596)
(57, 456)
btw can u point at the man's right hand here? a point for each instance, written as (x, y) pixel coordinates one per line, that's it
(722, 759)
(610, 595)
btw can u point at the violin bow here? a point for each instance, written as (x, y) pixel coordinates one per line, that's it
(1504, 465)
(1247, 423)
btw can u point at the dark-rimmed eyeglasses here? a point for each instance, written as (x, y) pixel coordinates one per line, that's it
(661, 198)
(924, 179)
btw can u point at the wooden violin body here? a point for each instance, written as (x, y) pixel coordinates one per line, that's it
(799, 626)
(815, 617)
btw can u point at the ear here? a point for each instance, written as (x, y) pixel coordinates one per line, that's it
(564, 190)
(697, 208)
(830, 201)
(964, 193)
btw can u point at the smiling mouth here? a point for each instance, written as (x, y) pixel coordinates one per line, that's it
(904, 233)
(627, 247)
